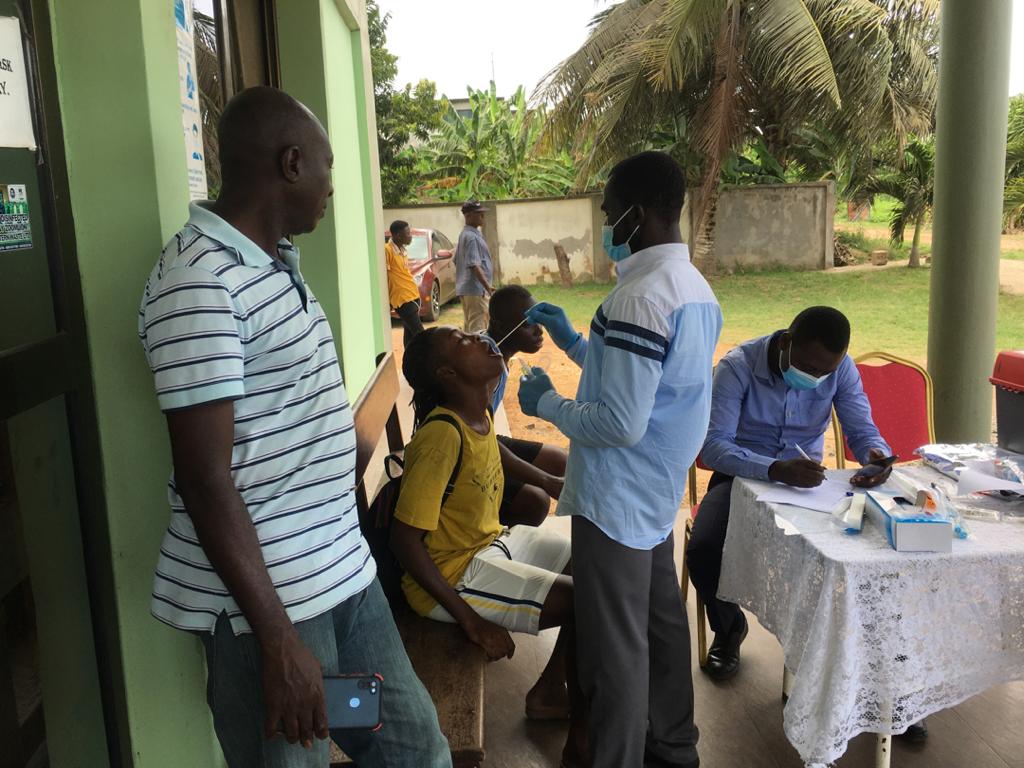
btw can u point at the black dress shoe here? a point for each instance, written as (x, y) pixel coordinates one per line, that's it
(724, 654)
(915, 734)
(653, 761)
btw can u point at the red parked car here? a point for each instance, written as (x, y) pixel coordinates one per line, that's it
(433, 268)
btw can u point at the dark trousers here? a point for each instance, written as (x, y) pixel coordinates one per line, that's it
(409, 314)
(633, 643)
(704, 555)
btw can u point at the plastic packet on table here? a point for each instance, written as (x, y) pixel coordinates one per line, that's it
(926, 500)
(937, 503)
(1009, 469)
(848, 514)
(950, 458)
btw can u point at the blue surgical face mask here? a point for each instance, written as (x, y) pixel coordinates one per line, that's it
(797, 379)
(621, 251)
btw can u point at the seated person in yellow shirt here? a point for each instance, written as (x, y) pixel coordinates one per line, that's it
(461, 564)
(403, 293)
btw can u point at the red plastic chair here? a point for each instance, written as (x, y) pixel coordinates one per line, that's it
(900, 394)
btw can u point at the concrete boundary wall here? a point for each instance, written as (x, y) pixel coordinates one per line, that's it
(784, 225)
(776, 225)
(522, 235)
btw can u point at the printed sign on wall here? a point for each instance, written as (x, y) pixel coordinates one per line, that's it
(15, 229)
(15, 108)
(191, 118)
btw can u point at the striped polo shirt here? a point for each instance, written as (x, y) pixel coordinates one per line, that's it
(220, 319)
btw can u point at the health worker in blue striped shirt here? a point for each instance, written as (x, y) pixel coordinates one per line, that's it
(635, 426)
(263, 557)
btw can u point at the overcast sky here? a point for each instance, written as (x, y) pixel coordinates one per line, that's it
(452, 42)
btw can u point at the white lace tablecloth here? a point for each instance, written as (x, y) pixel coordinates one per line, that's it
(876, 639)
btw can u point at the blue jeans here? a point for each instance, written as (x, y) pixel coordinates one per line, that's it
(359, 635)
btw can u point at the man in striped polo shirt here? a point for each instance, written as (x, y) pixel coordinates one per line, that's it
(636, 425)
(263, 557)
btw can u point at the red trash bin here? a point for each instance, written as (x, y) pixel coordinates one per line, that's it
(1008, 377)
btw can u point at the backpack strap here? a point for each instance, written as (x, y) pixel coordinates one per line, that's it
(450, 488)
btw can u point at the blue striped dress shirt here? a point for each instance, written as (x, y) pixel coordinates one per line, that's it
(641, 411)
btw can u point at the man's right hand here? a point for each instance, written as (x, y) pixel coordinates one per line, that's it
(293, 691)
(800, 473)
(496, 641)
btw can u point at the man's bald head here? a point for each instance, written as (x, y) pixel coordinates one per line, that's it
(275, 156)
(257, 125)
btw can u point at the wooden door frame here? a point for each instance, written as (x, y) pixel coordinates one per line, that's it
(60, 366)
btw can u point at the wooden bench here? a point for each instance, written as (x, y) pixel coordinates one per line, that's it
(451, 667)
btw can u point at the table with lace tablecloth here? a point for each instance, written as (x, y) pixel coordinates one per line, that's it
(875, 639)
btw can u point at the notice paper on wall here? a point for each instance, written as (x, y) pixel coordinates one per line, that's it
(15, 107)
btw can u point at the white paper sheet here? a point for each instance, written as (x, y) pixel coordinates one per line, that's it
(973, 480)
(821, 499)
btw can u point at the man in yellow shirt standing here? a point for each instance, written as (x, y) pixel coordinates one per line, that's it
(403, 293)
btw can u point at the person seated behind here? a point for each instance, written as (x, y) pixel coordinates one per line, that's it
(461, 564)
(770, 396)
(526, 501)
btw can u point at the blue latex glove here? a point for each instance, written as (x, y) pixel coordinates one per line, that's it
(531, 388)
(554, 319)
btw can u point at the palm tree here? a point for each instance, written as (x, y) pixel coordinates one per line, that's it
(912, 183)
(728, 71)
(1013, 193)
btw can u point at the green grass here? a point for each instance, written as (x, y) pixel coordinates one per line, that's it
(1015, 255)
(888, 309)
(881, 210)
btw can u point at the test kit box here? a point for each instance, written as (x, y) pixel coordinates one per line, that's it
(908, 529)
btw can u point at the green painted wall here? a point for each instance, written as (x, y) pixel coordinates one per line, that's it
(117, 71)
(340, 258)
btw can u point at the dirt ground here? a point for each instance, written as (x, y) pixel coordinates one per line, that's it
(566, 376)
(879, 231)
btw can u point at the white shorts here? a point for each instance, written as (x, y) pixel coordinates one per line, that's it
(508, 581)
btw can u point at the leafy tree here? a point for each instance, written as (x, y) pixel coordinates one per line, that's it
(912, 183)
(402, 115)
(1013, 193)
(495, 152)
(724, 72)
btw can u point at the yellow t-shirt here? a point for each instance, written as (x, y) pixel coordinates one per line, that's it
(401, 286)
(468, 522)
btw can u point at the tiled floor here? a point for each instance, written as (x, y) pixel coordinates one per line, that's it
(741, 721)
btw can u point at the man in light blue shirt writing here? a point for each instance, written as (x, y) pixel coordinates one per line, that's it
(772, 401)
(636, 424)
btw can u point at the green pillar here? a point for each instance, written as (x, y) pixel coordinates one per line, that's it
(974, 72)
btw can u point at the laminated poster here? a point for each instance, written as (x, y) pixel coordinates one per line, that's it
(15, 229)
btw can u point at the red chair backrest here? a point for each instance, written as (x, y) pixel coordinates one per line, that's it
(898, 395)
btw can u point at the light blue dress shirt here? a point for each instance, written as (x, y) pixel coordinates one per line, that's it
(757, 420)
(644, 398)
